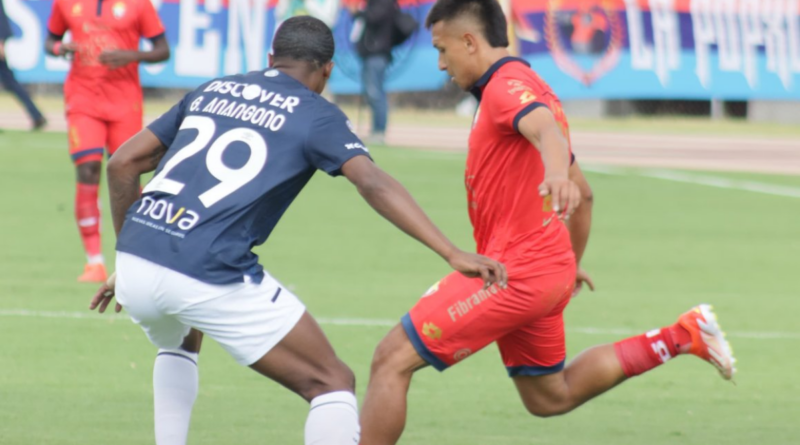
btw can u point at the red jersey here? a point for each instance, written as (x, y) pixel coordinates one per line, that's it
(504, 170)
(104, 25)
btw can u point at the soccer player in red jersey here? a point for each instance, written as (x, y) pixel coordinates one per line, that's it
(102, 93)
(519, 193)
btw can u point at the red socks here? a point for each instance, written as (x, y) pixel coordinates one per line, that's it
(87, 215)
(644, 352)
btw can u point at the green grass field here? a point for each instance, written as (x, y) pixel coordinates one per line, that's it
(658, 247)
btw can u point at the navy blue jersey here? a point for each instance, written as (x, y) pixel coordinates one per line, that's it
(240, 150)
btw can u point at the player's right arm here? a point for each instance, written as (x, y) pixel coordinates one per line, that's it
(541, 129)
(57, 26)
(139, 155)
(392, 201)
(333, 148)
(521, 110)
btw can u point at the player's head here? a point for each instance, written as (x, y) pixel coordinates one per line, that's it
(467, 33)
(303, 47)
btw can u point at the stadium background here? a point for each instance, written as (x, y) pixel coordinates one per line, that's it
(684, 115)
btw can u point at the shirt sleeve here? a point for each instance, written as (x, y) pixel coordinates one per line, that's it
(166, 127)
(332, 142)
(510, 100)
(57, 23)
(149, 22)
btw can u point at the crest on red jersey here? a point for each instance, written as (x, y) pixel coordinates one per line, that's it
(118, 10)
(585, 42)
(523, 92)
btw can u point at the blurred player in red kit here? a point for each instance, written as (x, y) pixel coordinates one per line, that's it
(102, 94)
(520, 191)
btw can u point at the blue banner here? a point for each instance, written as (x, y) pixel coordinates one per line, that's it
(671, 49)
(616, 49)
(211, 38)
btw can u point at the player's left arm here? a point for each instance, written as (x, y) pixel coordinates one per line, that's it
(540, 128)
(119, 57)
(159, 53)
(149, 27)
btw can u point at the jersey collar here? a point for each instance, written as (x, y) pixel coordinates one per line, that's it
(477, 89)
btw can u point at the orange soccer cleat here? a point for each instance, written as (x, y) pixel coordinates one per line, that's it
(708, 340)
(93, 273)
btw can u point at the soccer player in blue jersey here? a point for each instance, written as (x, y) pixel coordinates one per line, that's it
(228, 160)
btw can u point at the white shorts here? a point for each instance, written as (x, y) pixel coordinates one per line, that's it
(246, 319)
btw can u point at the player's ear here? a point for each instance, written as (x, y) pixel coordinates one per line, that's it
(327, 70)
(269, 58)
(470, 43)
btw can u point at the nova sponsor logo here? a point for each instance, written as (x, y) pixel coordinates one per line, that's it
(463, 307)
(163, 210)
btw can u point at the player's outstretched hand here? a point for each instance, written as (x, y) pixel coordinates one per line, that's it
(117, 58)
(580, 278)
(565, 194)
(104, 296)
(473, 265)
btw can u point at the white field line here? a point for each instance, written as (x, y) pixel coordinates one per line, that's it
(371, 322)
(710, 181)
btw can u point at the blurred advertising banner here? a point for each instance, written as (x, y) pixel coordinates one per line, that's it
(686, 49)
(211, 38)
(617, 49)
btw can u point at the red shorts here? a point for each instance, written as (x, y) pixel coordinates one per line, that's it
(89, 135)
(457, 318)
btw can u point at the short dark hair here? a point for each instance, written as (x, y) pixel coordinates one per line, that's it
(487, 12)
(304, 38)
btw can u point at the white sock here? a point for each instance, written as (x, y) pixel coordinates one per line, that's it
(175, 384)
(333, 420)
(95, 259)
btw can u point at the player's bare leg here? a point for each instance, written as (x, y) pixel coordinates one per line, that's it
(590, 374)
(87, 215)
(383, 416)
(305, 362)
(599, 369)
(175, 387)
